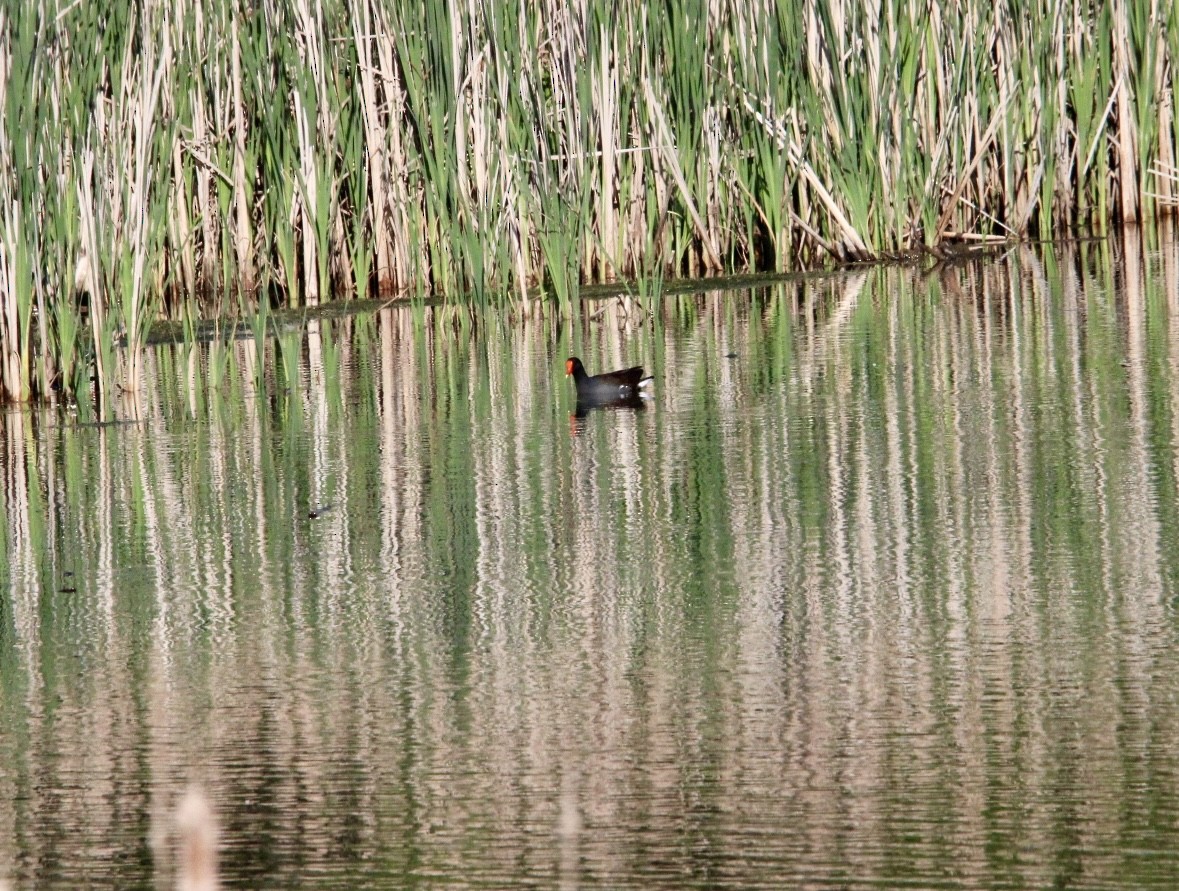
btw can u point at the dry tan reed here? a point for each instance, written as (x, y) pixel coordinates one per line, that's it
(197, 837)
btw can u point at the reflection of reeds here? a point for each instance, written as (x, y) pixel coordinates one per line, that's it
(844, 573)
(153, 157)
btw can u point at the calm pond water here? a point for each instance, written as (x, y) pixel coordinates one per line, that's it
(879, 591)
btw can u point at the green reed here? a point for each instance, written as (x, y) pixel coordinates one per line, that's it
(299, 150)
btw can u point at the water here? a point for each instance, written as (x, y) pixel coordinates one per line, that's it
(879, 591)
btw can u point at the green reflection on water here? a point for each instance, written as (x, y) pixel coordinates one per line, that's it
(878, 589)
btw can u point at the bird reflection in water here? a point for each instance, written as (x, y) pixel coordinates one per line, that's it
(585, 407)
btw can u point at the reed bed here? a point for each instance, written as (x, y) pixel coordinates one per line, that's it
(190, 158)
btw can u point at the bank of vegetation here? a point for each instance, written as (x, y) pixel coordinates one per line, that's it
(199, 157)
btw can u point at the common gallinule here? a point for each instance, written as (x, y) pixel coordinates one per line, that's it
(612, 386)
